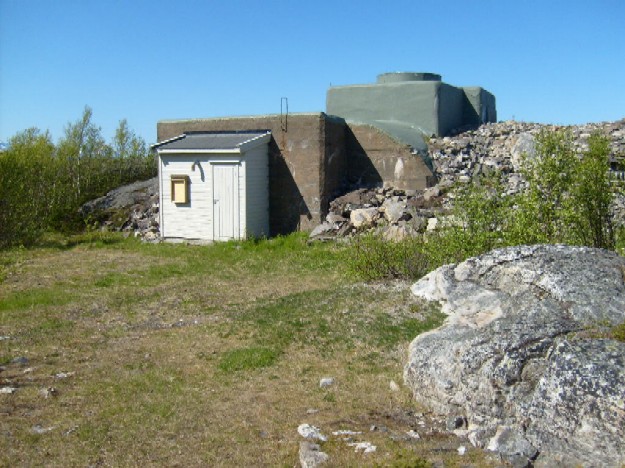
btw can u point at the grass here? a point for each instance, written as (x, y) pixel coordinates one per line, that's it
(204, 356)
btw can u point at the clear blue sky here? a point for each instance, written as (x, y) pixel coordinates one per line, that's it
(145, 60)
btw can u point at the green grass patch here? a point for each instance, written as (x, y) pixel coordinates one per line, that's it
(247, 359)
(35, 298)
(387, 333)
(618, 332)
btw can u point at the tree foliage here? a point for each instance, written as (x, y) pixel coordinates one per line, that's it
(44, 184)
(567, 200)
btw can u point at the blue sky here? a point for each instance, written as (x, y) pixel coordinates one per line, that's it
(546, 61)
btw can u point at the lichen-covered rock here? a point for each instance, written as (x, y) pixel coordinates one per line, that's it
(519, 354)
(130, 208)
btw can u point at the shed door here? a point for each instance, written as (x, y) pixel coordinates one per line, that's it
(225, 201)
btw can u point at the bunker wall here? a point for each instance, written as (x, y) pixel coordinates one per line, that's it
(449, 105)
(409, 103)
(374, 158)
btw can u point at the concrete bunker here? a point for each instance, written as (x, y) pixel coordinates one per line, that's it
(409, 106)
(371, 136)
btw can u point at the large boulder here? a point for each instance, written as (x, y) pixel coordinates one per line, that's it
(526, 357)
(131, 208)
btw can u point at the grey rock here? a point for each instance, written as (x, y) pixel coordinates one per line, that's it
(326, 382)
(512, 352)
(393, 210)
(311, 456)
(20, 361)
(321, 229)
(363, 217)
(130, 208)
(311, 432)
(398, 233)
(513, 445)
(431, 192)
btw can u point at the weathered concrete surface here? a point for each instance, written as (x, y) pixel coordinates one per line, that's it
(525, 354)
(410, 105)
(376, 159)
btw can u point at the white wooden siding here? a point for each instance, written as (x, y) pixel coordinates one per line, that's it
(194, 220)
(191, 220)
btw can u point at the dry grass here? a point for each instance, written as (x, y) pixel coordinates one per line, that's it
(204, 356)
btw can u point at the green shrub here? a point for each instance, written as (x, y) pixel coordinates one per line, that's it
(567, 200)
(372, 257)
(43, 184)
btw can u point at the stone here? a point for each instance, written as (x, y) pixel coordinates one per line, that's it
(20, 361)
(431, 192)
(515, 356)
(39, 429)
(130, 208)
(326, 382)
(397, 233)
(363, 217)
(432, 224)
(365, 447)
(321, 229)
(393, 210)
(513, 445)
(311, 456)
(311, 432)
(393, 386)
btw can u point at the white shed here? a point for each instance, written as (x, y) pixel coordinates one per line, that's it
(214, 186)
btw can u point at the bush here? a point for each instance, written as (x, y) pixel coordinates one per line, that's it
(567, 200)
(43, 185)
(372, 258)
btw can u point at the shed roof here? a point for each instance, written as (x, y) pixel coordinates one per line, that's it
(213, 141)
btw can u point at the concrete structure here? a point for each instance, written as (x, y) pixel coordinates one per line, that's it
(372, 135)
(214, 186)
(314, 158)
(410, 106)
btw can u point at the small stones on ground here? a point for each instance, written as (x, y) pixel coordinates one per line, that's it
(8, 390)
(20, 361)
(4, 337)
(311, 432)
(462, 450)
(71, 430)
(312, 411)
(48, 392)
(393, 386)
(326, 382)
(366, 447)
(310, 455)
(64, 375)
(39, 429)
(344, 432)
(413, 434)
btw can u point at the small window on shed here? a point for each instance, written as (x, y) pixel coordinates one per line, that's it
(180, 189)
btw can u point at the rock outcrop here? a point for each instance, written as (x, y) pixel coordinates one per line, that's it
(131, 208)
(525, 356)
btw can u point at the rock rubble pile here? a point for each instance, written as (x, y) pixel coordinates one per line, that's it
(495, 147)
(395, 214)
(500, 146)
